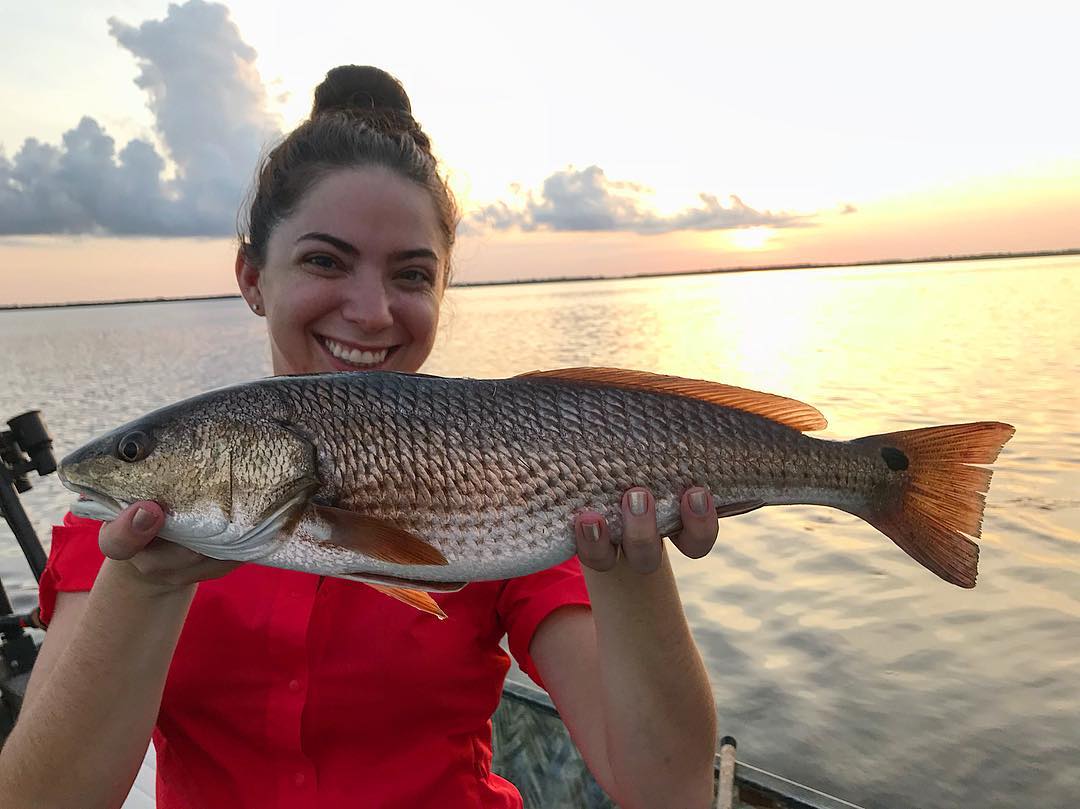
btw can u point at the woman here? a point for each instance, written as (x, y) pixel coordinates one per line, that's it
(265, 687)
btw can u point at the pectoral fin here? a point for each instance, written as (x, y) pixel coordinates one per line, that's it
(375, 538)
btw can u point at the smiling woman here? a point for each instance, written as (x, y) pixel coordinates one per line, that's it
(320, 683)
(349, 234)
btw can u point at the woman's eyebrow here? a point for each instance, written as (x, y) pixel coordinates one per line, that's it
(420, 252)
(352, 250)
(340, 244)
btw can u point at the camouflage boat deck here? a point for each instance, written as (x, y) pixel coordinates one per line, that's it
(533, 750)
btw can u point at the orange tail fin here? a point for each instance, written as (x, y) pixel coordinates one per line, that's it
(944, 496)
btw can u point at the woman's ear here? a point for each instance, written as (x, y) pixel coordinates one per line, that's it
(247, 278)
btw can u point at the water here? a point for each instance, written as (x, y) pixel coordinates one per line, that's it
(835, 659)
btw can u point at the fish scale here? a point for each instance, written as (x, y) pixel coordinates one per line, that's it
(534, 422)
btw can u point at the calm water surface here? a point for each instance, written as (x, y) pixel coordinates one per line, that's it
(836, 660)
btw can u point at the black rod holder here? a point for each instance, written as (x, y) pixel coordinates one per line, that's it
(15, 515)
(26, 447)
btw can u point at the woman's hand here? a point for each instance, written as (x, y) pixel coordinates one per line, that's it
(641, 541)
(95, 692)
(163, 565)
(626, 675)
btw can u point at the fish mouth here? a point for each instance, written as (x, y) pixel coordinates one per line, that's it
(93, 504)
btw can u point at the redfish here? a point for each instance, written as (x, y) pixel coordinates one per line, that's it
(414, 483)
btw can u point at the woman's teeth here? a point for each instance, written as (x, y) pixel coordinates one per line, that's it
(355, 356)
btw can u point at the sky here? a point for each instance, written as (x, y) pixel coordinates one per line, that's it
(580, 138)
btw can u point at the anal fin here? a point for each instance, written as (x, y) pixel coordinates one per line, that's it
(722, 510)
(387, 580)
(414, 598)
(735, 509)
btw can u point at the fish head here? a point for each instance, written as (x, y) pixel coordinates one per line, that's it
(169, 458)
(218, 472)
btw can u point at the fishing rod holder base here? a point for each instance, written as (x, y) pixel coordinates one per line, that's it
(26, 447)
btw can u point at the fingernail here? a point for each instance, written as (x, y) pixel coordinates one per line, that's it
(638, 502)
(143, 520)
(591, 531)
(699, 503)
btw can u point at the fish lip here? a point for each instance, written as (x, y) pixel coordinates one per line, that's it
(92, 494)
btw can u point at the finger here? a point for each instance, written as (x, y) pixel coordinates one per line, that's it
(176, 565)
(699, 521)
(594, 545)
(162, 556)
(640, 539)
(132, 530)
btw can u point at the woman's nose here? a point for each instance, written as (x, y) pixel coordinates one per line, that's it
(368, 306)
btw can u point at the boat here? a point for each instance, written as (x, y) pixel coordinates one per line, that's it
(532, 747)
(533, 750)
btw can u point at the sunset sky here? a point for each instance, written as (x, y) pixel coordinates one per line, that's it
(610, 141)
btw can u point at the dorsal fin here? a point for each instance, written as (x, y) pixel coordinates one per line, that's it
(785, 411)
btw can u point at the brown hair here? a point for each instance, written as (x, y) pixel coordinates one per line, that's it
(361, 116)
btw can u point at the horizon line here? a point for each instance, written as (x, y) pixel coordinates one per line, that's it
(565, 279)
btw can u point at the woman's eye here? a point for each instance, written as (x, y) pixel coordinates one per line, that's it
(322, 261)
(416, 275)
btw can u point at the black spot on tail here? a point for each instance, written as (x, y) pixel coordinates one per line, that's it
(896, 460)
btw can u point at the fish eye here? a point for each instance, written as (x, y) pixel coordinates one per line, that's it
(134, 447)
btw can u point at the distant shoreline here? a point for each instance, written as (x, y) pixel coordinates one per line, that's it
(714, 271)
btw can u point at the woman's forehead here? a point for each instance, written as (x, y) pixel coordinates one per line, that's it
(369, 207)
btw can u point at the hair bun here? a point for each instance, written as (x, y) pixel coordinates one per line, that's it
(365, 88)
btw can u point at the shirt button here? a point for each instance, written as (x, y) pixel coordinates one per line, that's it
(294, 685)
(299, 779)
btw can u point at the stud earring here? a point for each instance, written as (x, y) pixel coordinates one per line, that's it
(256, 308)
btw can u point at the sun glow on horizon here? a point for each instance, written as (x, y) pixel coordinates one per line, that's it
(754, 238)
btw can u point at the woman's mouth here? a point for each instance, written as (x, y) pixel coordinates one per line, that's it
(363, 359)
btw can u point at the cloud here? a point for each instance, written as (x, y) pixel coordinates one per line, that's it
(210, 112)
(211, 121)
(586, 200)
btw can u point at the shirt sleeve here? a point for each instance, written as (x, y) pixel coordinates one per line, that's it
(74, 562)
(526, 601)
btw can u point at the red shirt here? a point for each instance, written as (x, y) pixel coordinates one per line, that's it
(292, 690)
